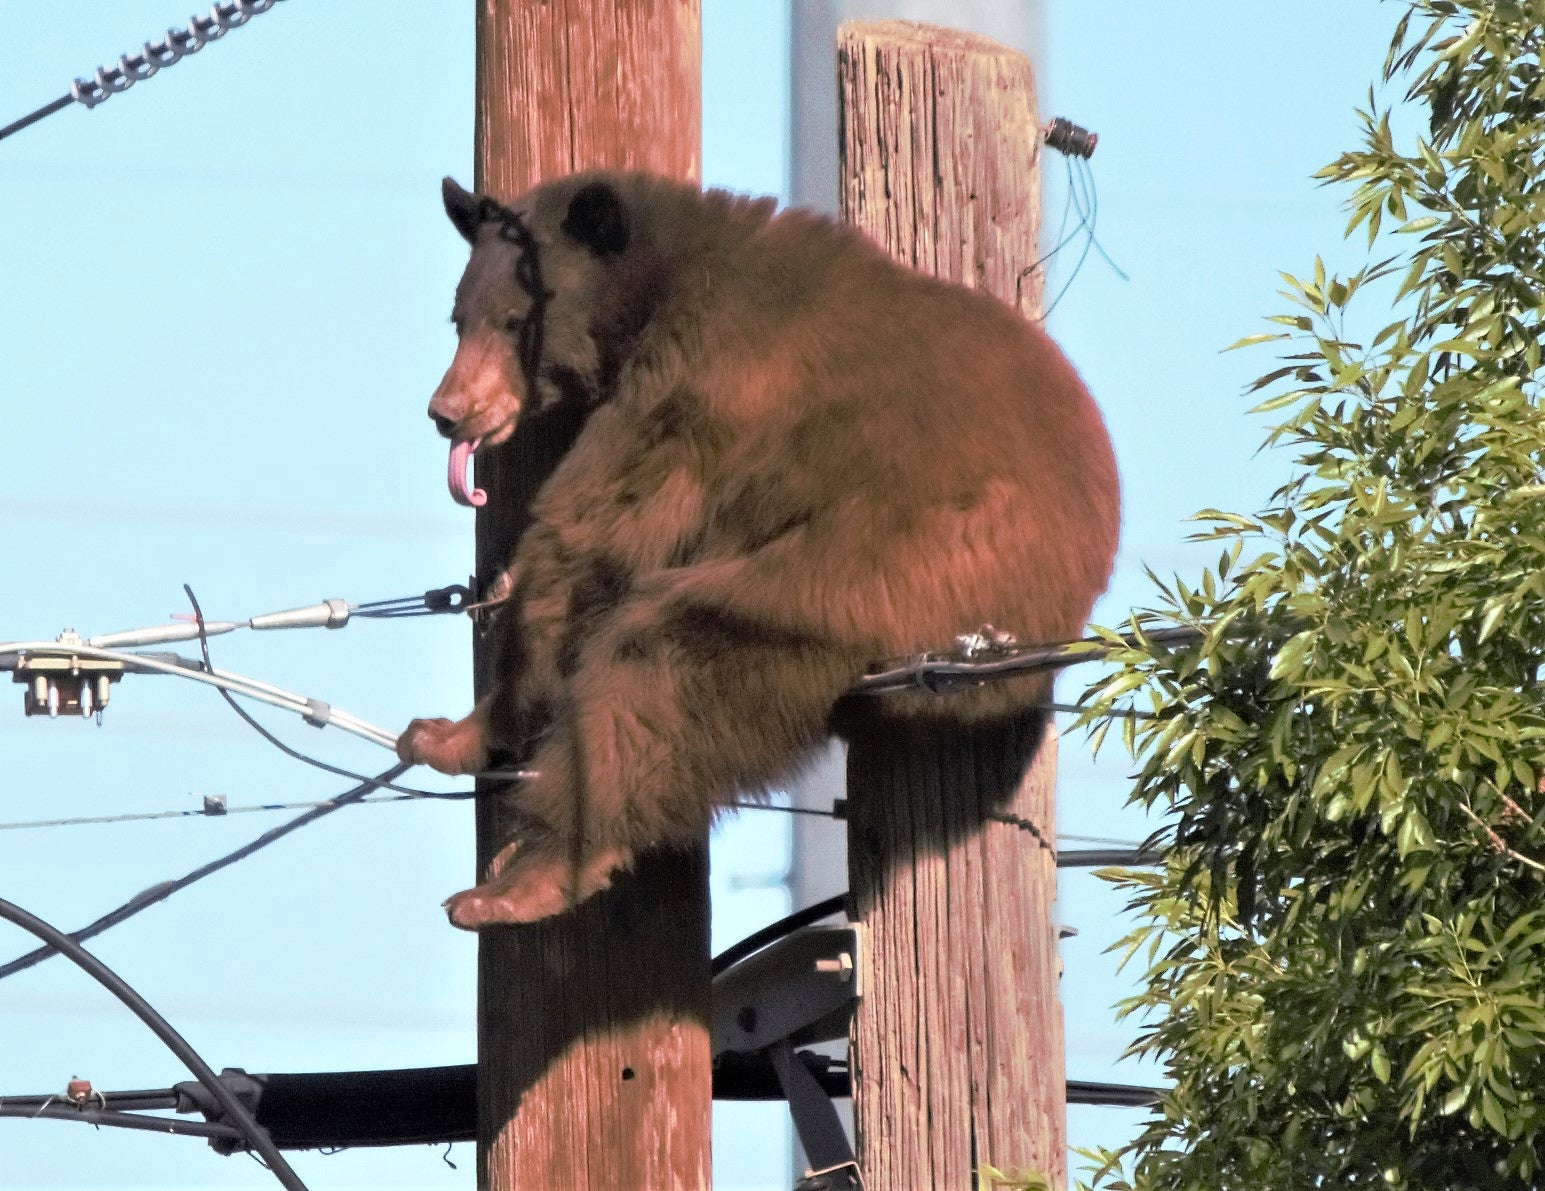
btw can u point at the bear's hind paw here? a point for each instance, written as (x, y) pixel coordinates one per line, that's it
(531, 888)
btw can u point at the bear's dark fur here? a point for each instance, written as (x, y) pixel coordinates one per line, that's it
(800, 458)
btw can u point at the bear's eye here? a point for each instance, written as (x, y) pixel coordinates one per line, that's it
(512, 322)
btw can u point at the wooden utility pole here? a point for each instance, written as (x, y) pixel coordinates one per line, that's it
(594, 1068)
(957, 1042)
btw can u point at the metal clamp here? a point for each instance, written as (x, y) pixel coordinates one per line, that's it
(66, 685)
(797, 991)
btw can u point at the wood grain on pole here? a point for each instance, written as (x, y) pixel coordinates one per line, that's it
(957, 1043)
(594, 1068)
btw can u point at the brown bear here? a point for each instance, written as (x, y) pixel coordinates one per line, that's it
(797, 458)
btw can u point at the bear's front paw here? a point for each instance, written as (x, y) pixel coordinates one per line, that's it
(451, 746)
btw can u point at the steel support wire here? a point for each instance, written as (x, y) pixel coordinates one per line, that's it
(235, 1112)
(164, 889)
(942, 673)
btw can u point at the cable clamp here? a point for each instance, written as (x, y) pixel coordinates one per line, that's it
(447, 599)
(318, 714)
(80, 1093)
(986, 642)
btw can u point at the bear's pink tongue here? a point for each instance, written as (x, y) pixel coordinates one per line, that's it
(456, 475)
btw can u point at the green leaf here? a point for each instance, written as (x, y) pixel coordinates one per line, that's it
(1250, 340)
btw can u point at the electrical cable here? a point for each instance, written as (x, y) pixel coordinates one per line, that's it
(1119, 853)
(314, 711)
(247, 718)
(771, 933)
(742, 804)
(437, 1105)
(932, 672)
(11, 651)
(413, 1106)
(160, 892)
(1087, 211)
(941, 674)
(135, 1101)
(937, 673)
(1085, 198)
(1109, 857)
(226, 681)
(235, 1111)
(733, 954)
(1094, 195)
(431, 602)
(1063, 238)
(247, 809)
(837, 904)
(116, 1119)
(1107, 841)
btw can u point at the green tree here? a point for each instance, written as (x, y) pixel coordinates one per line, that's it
(1346, 948)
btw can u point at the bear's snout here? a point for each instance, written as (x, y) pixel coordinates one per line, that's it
(475, 398)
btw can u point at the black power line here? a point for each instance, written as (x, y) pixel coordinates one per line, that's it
(233, 1112)
(435, 1105)
(38, 1108)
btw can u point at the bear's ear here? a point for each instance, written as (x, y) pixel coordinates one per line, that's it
(597, 220)
(464, 208)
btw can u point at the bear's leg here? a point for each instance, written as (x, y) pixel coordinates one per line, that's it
(672, 709)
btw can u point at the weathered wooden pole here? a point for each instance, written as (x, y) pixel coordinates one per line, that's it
(594, 1068)
(957, 1043)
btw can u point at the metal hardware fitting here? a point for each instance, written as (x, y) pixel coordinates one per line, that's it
(66, 685)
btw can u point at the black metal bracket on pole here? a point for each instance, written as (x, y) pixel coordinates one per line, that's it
(797, 991)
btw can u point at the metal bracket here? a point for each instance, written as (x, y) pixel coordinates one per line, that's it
(65, 685)
(193, 1096)
(821, 1135)
(799, 990)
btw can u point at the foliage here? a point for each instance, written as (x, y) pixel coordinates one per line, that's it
(1346, 948)
(1012, 1180)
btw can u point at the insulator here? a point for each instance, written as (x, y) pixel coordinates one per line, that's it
(1070, 139)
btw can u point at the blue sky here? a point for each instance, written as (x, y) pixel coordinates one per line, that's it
(224, 306)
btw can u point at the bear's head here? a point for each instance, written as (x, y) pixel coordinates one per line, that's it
(536, 309)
